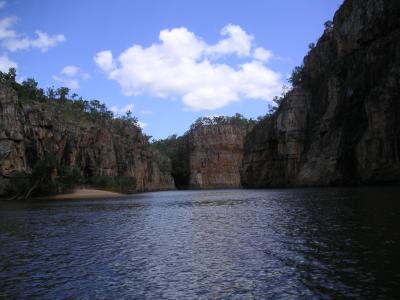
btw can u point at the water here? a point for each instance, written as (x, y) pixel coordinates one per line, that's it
(236, 244)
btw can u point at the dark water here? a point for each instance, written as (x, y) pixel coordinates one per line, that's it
(231, 244)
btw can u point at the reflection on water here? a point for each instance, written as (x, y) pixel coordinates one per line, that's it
(244, 244)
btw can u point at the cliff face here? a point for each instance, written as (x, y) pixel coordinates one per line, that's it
(96, 150)
(273, 148)
(215, 156)
(341, 124)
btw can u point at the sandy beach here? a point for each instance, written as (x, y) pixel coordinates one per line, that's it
(86, 194)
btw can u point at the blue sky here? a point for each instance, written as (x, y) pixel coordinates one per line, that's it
(168, 61)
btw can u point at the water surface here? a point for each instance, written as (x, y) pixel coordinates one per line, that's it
(236, 244)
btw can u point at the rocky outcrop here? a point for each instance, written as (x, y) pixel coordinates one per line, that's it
(215, 154)
(341, 124)
(273, 148)
(97, 150)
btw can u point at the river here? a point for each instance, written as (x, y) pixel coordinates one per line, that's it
(232, 244)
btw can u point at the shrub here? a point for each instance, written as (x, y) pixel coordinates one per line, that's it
(328, 24)
(297, 77)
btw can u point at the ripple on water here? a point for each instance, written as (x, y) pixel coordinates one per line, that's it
(244, 244)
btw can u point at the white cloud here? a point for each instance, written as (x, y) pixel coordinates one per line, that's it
(2, 4)
(13, 41)
(70, 77)
(183, 65)
(237, 41)
(70, 70)
(104, 60)
(6, 63)
(262, 54)
(43, 42)
(5, 27)
(122, 110)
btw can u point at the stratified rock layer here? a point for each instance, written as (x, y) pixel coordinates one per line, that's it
(97, 149)
(342, 124)
(215, 156)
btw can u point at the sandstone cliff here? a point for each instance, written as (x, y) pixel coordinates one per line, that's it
(341, 124)
(215, 156)
(98, 151)
(209, 154)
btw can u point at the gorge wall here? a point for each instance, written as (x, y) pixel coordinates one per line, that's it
(341, 124)
(98, 151)
(215, 155)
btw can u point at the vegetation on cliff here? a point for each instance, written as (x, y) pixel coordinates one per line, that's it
(339, 124)
(53, 141)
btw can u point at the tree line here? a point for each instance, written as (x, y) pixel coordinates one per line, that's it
(28, 91)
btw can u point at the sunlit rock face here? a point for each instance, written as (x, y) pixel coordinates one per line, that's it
(341, 125)
(31, 130)
(215, 156)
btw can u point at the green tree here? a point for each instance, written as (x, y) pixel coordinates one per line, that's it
(28, 90)
(9, 77)
(62, 93)
(296, 79)
(328, 24)
(51, 93)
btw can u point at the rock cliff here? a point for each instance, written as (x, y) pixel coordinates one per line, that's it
(215, 156)
(209, 154)
(340, 125)
(107, 153)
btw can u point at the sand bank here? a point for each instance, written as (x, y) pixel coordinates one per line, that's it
(86, 194)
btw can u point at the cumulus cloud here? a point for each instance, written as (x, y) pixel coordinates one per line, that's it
(183, 65)
(237, 41)
(104, 60)
(6, 63)
(70, 77)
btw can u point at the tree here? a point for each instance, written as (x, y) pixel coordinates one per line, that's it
(29, 90)
(62, 93)
(328, 24)
(9, 77)
(296, 78)
(51, 93)
(130, 118)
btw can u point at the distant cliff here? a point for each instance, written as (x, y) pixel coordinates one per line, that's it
(341, 123)
(73, 147)
(215, 156)
(209, 155)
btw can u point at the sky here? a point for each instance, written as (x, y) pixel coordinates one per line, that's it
(167, 61)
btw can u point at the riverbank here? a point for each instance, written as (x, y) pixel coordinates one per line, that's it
(85, 194)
